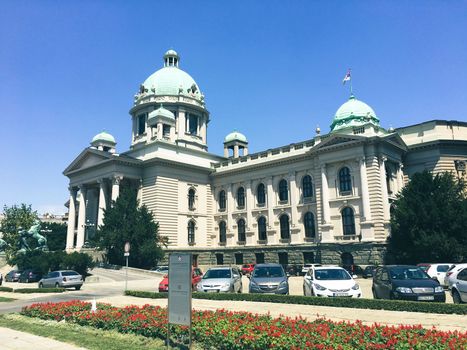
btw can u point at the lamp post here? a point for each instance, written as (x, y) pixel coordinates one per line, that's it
(126, 255)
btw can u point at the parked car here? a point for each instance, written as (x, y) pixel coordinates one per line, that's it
(269, 278)
(437, 271)
(221, 279)
(61, 279)
(293, 270)
(459, 287)
(451, 275)
(13, 276)
(353, 270)
(406, 282)
(163, 269)
(369, 271)
(330, 281)
(248, 268)
(306, 267)
(196, 275)
(1, 278)
(30, 275)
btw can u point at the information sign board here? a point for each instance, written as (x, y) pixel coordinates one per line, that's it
(180, 288)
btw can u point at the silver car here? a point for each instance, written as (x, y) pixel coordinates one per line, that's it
(221, 279)
(62, 279)
(269, 278)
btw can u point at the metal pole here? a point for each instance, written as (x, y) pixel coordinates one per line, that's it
(126, 275)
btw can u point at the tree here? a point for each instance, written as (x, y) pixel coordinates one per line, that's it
(429, 221)
(56, 235)
(15, 217)
(126, 221)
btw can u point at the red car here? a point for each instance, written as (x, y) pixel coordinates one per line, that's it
(247, 269)
(196, 276)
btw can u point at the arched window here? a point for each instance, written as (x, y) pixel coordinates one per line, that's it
(307, 187)
(285, 227)
(262, 235)
(283, 191)
(345, 181)
(191, 232)
(309, 223)
(191, 199)
(261, 195)
(241, 230)
(241, 197)
(348, 221)
(222, 232)
(222, 201)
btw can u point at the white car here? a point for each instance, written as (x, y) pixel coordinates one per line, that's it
(452, 274)
(437, 271)
(330, 281)
(306, 267)
(459, 287)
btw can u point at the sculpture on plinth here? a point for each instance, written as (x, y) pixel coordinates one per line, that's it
(33, 232)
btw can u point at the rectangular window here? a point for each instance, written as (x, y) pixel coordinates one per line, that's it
(141, 121)
(166, 130)
(220, 259)
(283, 259)
(238, 259)
(308, 258)
(259, 258)
(193, 124)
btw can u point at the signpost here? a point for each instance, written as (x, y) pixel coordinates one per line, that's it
(179, 305)
(126, 255)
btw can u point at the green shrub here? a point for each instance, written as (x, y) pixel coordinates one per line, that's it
(372, 304)
(39, 290)
(6, 289)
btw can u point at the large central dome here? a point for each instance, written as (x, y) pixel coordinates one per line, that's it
(171, 80)
(353, 113)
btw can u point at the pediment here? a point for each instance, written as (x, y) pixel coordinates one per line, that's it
(396, 140)
(87, 159)
(337, 140)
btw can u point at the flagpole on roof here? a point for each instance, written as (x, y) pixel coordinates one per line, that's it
(351, 90)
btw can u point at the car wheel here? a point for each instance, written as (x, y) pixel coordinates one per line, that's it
(374, 294)
(392, 296)
(41, 285)
(456, 298)
(78, 287)
(57, 285)
(304, 291)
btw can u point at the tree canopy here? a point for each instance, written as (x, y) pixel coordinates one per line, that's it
(126, 221)
(429, 221)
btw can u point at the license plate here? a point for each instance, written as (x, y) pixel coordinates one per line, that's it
(426, 297)
(340, 294)
(212, 291)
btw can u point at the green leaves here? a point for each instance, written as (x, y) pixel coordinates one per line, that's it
(429, 220)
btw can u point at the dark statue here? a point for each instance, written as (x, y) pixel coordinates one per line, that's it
(33, 232)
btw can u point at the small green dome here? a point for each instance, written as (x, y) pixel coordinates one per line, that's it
(161, 112)
(235, 136)
(353, 113)
(103, 136)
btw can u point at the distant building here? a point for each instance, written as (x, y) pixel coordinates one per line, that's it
(324, 199)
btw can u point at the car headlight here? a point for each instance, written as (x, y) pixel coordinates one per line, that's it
(318, 286)
(403, 290)
(226, 285)
(439, 289)
(356, 286)
(199, 287)
(283, 284)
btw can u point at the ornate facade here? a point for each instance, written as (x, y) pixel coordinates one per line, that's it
(325, 199)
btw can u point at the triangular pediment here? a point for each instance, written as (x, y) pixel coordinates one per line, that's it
(396, 140)
(88, 158)
(337, 140)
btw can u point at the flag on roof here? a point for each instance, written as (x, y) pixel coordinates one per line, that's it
(347, 77)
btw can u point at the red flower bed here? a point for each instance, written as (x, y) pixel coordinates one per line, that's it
(242, 330)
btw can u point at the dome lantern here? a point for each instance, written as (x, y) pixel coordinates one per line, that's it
(104, 142)
(171, 58)
(235, 141)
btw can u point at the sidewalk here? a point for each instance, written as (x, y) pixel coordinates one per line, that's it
(15, 340)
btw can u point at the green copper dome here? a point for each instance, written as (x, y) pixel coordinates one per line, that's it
(353, 113)
(161, 112)
(171, 80)
(235, 136)
(103, 136)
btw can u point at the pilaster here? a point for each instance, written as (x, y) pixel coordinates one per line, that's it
(70, 235)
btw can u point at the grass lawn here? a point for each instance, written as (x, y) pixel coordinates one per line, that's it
(85, 337)
(4, 300)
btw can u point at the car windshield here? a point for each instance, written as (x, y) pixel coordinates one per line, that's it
(69, 273)
(268, 271)
(246, 266)
(332, 274)
(217, 274)
(408, 273)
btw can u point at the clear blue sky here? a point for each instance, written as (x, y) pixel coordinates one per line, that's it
(271, 69)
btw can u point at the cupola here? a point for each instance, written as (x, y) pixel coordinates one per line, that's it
(104, 142)
(353, 114)
(237, 142)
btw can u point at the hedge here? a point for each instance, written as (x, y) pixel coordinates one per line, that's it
(6, 289)
(355, 303)
(39, 290)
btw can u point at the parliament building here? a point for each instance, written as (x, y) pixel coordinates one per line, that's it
(326, 199)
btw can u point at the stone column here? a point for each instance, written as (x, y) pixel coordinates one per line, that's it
(400, 178)
(325, 196)
(70, 235)
(102, 202)
(364, 191)
(235, 154)
(270, 202)
(384, 188)
(226, 152)
(81, 216)
(116, 187)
